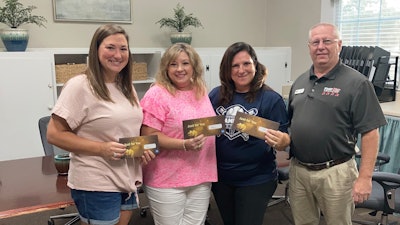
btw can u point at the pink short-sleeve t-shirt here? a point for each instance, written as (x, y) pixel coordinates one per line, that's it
(178, 168)
(98, 120)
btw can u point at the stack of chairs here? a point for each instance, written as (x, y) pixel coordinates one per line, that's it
(375, 63)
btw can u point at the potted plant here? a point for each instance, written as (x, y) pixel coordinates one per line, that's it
(14, 14)
(179, 23)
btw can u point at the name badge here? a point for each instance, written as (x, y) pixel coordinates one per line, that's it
(299, 91)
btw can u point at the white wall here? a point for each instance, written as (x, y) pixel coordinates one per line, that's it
(288, 24)
(327, 11)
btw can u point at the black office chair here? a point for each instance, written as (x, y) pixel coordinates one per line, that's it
(385, 197)
(49, 150)
(283, 175)
(381, 159)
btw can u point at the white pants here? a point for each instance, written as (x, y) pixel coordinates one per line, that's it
(179, 206)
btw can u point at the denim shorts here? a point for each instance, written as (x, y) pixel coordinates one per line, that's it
(102, 208)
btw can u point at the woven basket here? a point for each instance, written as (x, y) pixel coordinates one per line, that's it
(139, 71)
(65, 71)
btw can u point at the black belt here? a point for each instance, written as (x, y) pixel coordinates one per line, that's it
(324, 165)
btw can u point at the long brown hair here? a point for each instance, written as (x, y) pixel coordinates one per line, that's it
(225, 71)
(95, 71)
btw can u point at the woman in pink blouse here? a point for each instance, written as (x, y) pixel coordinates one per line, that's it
(178, 180)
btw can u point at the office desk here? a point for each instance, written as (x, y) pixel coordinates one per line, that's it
(31, 185)
(392, 108)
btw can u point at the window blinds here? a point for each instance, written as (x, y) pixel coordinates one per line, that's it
(369, 23)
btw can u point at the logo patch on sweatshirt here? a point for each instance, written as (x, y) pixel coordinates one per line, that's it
(230, 113)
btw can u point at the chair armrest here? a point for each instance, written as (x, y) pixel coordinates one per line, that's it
(283, 173)
(386, 177)
(381, 158)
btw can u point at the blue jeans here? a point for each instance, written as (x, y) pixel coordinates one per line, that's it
(102, 208)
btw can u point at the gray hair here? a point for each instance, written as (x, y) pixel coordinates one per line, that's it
(336, 31)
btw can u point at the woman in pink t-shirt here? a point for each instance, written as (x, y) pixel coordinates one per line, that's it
(178, 180)
(93, 111)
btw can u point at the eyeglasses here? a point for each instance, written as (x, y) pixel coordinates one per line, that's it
(326, 42)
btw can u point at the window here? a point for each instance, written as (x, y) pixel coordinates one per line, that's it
(369, 23)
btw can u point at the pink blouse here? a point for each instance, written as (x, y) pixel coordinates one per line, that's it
(177, 168)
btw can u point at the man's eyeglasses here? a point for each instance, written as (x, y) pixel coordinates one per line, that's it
(326, 42)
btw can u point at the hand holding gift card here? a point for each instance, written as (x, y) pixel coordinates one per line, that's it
(253, 125)
(208, 126)
(135, 146)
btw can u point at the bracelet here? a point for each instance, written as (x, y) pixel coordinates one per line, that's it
(184, 147)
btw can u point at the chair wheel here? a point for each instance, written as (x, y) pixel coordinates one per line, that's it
(143, 212)
(50, 222)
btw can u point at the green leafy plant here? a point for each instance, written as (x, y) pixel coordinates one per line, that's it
(181, 20)
(14, 14)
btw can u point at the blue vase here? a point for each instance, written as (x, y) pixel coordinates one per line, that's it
(14, 39)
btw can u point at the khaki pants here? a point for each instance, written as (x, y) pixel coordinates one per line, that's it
(327, 190)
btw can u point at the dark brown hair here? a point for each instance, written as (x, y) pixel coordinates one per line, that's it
(95, 71)
(225, 71)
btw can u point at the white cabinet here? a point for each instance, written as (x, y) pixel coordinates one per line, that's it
(150, 56)
(276, 59)
(26, 94)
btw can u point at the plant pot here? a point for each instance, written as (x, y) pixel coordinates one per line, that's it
(14, 39)
(61, 161)
(185, 37)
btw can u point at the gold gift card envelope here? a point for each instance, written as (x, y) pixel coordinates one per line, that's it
(208, 126)
(135, 146)
(253, 125)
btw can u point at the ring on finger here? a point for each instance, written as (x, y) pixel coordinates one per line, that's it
(274, 146)
(114, 154)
